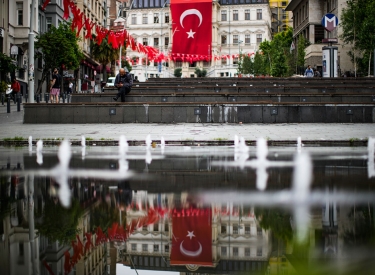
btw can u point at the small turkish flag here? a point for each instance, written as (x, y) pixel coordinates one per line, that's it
(192, 237)
(191, 26)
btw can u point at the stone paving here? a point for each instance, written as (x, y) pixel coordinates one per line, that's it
(12, 125)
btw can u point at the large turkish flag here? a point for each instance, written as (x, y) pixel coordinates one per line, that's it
(192, 237)
(191, 27)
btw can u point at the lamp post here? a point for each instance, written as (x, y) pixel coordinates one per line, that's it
(119, 23)
(239, 57)
(161, 33)
(31, 54)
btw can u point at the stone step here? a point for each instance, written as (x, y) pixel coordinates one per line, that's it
(205, 112)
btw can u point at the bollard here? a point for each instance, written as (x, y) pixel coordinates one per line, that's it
(27, 96)
(46, 97)
(18, 103)
(2, 98)
(37, 98)
(64, 97)
(8, 104)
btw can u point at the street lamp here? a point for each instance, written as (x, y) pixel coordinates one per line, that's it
(239, 56)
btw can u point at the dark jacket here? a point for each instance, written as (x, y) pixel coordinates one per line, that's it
(127, 80)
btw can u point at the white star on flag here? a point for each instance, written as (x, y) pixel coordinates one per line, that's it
(191, 34)
(190, 234)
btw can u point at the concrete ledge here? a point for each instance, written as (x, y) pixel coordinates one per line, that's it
(172, 112)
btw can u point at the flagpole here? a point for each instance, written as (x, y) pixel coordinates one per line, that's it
(31, 54)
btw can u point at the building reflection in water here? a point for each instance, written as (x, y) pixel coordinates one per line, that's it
(132, 222)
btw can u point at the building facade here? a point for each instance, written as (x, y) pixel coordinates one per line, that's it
(307, 17)
(238, 26)
(237, 239)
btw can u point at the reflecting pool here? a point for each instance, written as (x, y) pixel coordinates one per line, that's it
(188, 210)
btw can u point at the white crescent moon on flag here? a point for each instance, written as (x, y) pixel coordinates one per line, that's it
(189, 252)
(190, 12)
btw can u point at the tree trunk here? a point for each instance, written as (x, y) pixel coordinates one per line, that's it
(44, 76)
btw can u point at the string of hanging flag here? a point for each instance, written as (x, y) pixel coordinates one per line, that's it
(123, 37)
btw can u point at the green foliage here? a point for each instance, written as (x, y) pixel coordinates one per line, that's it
(59, 223)
(301, 53)
(127, 65)
(58, 47)
(358, 24)
(177, 72)
(276, 220)
(3, 86)
(6, 64)
(200, 73)
(279, 68)
(247, 65)
(260, 64)
(103, 216)
(104, 53)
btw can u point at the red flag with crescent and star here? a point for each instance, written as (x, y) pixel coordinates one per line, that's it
(192, 237)
(191, 27)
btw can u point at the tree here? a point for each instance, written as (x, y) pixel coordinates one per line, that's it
(247, 66)
(301, 45)
(6, 66)
(58, 48)
(277, 53)
(276, 220)
(177, 72)
(200, 73)
(260, 64)
(59, 223)
(104, 53)
(279, 68)
(358, 26)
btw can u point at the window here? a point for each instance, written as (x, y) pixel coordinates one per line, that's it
(166, 43)
(283, 3)
(134, 19)
(178, 64)
(166, 18)
(134, 247)
(224, 62)
(235, 39)
(259, 38)
(144, 42)
(259, 231)
(156, 225)
(223, 40)
(144, 247)
(123, 14)
(206, 63)
(144, 18)
(166, 248)
(224, 227)
(235, 226)
(235, 15)
(156, 43)
(247, 229)
(48, 23)
(247, 14)
(247, 39)
(156, 248)
(223, 15)
(20, 249)
(156, 18)
(247, 252)
(235, 251)
(223, 249)
(259, 14)
(19, 6)
(259, 252)
(284, 15)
